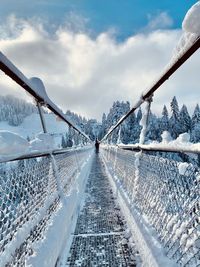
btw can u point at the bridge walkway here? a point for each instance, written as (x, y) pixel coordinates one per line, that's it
(101, 237)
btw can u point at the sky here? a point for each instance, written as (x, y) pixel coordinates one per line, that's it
(90, 53)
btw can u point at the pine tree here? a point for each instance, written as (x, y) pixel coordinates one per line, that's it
(195, 125)
(69, 142)
(153, 129)
(139, 115)
(185, 120)
(63, 142)
(164, 122)
(195, 117)
(174, 120)
(103, 126)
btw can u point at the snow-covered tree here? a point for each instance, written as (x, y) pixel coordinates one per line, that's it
(195, 125)
(185, 120)
(117, 110)
(85, 125)
(164, 121)
(174, 120)
(69, 141)
(139, 115)
(153, 129)
(14, 110)
(63, 142)
(195, 117)
(130, 130)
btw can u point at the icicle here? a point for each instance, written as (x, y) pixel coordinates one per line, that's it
(119, 136)
(58, 182)
(143, 123)
(144, 120)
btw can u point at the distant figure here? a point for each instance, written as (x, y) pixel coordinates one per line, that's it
(97, 146)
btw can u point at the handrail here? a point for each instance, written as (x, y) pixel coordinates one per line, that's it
(14, 73)
(39, 154)
(160, 148)
(165, 76)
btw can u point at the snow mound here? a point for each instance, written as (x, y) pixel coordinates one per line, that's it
(12, 144)
(42, 142)
(186, 41)
(166, 137)
(182, 168)
(39, 87)
(191, 32)
(183, 138)
(191, 23)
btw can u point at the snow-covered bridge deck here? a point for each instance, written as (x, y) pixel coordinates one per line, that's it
(101, 237)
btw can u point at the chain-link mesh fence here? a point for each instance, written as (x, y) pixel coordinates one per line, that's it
(167, 197)
(29, 196)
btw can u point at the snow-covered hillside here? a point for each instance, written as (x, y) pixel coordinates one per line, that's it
(32, 126)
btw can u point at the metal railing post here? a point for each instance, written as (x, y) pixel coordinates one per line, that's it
(42, 119)
(53, 161)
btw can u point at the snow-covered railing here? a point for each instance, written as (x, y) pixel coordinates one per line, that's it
(35, 88)
(32, 191)
(159, 147)
(166, 194)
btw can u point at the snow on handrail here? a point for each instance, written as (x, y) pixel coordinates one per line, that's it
(164, 77)
(162, 148)
(40, 154)
(31, 87)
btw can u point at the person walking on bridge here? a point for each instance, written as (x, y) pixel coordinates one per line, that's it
(97, 145)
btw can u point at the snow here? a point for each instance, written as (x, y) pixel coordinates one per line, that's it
(13, 139)
(58, 181)
(181, 143)
(38, 86)
(31, 126)
(137, 172)
(183, 138)
(187, 39)
(42, 142)
(12, 144)
(143, 123)
(166, 137)
(198, 178)
(191, 31)
(191, 22)
(24, 231)
(182, 168)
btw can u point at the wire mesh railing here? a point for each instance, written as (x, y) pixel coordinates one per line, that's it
(168, 198)
(30, 196)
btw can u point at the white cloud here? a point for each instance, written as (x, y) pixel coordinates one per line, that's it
(86, 75)
(161, 21)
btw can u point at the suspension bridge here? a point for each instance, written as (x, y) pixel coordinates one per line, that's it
(124, 206)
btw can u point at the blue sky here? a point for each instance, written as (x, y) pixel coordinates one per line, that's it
(126, 17)
(90, 53)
